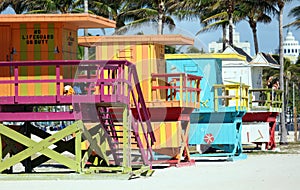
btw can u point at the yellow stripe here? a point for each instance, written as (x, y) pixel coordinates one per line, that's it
(162, 128)
(103, 53)
(210, 55)
(175, 139)
(31, 86)
(150, 58)
(127, 51)
(116, 50)
(139, 59)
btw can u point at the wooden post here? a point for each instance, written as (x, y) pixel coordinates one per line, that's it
(295, 125)
(126, 140)
(295, 116)
(0, 148)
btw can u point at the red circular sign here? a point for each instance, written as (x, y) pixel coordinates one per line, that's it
(209, 138)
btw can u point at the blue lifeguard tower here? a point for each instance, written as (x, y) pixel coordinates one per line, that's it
(215, 129)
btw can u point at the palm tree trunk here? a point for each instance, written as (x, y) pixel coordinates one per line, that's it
(160, 24)
(224, 36)
(283, 136)
(230, 20)
(230, 31)
(161, 9)
(86, 32)
(254, 33)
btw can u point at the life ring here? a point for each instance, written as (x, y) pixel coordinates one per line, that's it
(209, 138)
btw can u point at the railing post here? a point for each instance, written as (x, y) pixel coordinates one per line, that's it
(57, 72)
(0, 147)
(16, 75)
(181, 89)
(250, 101)
(78, 153)
(186, 89)
(126, 139)
(216, 98)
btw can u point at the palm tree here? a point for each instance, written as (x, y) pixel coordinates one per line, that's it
(295, 12)
(214, 14)
(213, 18)
(19, 6)
(157, 11)
(256, 11)
(280, 4)
(52, 6)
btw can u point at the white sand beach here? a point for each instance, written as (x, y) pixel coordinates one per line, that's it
(267, 171)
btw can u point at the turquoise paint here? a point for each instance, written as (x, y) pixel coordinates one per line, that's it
(225, 125)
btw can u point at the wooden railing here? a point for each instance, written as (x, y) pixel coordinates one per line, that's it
(181, 87)
(265, 99)
(226, 95)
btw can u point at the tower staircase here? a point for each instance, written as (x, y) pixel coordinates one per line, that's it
(102, 134)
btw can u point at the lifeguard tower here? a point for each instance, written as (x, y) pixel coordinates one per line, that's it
(165, 93)
(38, 58)
(260, 120)
(216, 124)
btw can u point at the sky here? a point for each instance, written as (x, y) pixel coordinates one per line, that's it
(268, 34)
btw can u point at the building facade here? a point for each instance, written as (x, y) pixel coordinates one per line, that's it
(216, 46)
(291, 47)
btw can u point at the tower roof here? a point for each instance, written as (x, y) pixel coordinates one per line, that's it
(170, 39)
(79, 20)
(264, 60)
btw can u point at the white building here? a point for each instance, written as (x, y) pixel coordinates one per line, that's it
(217, 47)
(291, 47)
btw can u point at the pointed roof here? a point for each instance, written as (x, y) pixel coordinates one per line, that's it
(264, 60)
(237, 50)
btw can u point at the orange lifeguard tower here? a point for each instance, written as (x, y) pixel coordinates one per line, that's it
(37, 58)
(44, 36)
(166, 95)
(32, 37)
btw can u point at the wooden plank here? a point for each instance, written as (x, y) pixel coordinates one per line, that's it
(42, 146)
(94, 144)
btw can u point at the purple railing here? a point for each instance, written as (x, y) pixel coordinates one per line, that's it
(107, 82)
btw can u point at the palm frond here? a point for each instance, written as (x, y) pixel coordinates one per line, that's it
(212, 26)
(218, 16)
(131, 26)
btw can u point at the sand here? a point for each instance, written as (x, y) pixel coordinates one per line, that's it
(270, 171)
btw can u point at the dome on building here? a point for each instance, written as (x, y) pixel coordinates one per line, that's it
(290, 37)
(291, 47)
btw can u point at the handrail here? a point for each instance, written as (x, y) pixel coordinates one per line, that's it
(231, 95)
(265, 99)
(102, 78)
(58, 79)
(181, 87)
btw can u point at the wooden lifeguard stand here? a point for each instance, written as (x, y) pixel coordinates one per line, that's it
(37, 60)
(165, 94)
(216, 125)
(259, 122)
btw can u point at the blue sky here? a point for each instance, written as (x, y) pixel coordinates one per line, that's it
(267, 33)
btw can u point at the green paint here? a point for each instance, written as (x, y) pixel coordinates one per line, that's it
(40, 147)
(126, 138)
(23, 90)
(51, 56)
(38, 86)
(23, 74)
(51, 46)
(51, 75)
(37, 46)
(37, 56)
(23, 44)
